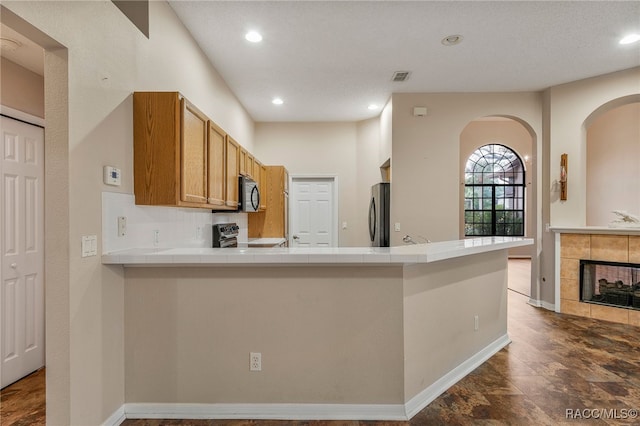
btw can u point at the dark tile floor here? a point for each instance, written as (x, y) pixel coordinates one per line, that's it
(555, 363)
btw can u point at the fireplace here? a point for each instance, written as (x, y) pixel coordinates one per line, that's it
(610, 283)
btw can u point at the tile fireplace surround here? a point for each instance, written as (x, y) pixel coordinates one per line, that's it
(605, 244)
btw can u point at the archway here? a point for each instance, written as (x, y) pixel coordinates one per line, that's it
(612, 167)
(518, 136)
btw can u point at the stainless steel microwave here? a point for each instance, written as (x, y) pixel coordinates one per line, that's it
(249, 195)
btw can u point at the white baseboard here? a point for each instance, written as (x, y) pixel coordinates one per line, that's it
(116, 418)
(542, 304)
(379, 412)
(386, 412)
(424, 398)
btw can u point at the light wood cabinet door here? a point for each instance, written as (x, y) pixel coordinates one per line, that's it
(255, 171)
(169, 151)
(250, 161)
(242, 159)
(180, 157)
(193, 154)
(217, 182)
(232, 172)
(263, 187)
(272, 222)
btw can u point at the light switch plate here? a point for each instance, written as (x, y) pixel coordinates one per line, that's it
(397, 227)
(89, 245)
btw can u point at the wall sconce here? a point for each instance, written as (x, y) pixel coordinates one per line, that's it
(563, 177)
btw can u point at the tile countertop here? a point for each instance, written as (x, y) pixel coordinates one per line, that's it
(263, 242)
(414, 253)
(613, 230)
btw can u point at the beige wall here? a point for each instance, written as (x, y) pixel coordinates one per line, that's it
(21, 88)
(571, 106)
(386, 132)
(613, 164)
(326, 334)
(328, 149)
(440, 303)
(426, 155)
(85, 300)
(189, 328)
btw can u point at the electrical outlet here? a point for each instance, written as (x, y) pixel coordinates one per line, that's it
(476, 323)
(122, 226)
(396, 227)
(255, 361)
(156, 237)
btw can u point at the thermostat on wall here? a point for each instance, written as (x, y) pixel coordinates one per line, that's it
(111, 175)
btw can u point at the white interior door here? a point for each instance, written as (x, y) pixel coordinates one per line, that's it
(22, 257)
(313, 214)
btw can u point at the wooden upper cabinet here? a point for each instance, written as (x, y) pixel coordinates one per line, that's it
(243, 162)
(250, 161)
(194, 176)
(263, 187)
(181, 157)
(232, 172)
(158, 148)
(272, 222)
(217, 148)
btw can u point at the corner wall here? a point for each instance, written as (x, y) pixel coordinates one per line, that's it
(89, 125)
(426, 155)
(21, 88)
(570, 106)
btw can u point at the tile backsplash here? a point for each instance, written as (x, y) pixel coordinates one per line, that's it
(176, 227)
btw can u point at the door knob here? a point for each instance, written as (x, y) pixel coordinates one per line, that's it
(14, 265)
(295, 237)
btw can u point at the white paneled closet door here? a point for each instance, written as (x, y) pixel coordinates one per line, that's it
(312, 216)
(22, 245)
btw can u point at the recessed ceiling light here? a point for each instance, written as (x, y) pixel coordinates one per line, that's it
(631, 38)
(277, 101)
(253, 37)
(373, 106)
(452, 40)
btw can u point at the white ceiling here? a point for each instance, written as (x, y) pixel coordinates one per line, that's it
(329, 60)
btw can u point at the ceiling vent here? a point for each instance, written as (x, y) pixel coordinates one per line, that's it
(400, 76)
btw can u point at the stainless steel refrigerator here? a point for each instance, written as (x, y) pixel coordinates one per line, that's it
(379, 212)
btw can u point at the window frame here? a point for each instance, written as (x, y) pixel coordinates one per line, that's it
(492, 220)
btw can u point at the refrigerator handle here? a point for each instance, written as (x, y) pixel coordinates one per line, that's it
(372, 219)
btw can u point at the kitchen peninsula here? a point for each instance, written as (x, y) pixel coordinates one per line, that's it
(344, 333)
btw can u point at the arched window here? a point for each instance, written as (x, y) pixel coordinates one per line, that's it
(494, 192)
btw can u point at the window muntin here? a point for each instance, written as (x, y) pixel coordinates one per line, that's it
(494, 192)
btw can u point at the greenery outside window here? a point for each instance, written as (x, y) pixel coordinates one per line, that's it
(494, 192)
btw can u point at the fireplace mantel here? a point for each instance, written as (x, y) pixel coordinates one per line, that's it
(595, 230)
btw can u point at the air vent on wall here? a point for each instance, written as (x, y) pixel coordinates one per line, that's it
(400, 76)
